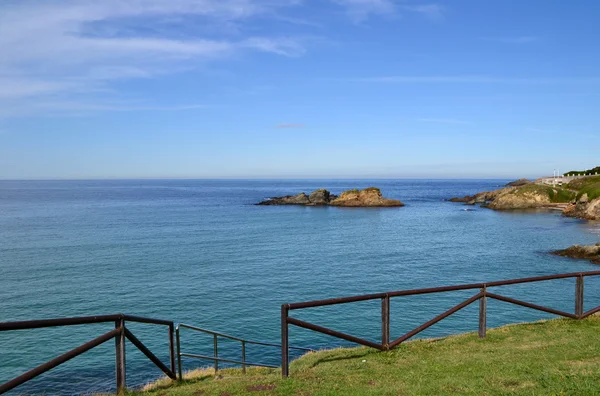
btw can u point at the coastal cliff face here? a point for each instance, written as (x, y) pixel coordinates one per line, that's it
(527, 196)
(369, 197)
(584, 209)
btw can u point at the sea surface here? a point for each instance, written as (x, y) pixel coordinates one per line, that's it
(199, 252)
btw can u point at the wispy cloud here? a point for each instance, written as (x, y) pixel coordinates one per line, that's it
(512, 40)
(443, 120)
(57, 49)
(290, 125)
(431, 11)
(359, 10)
(474, 79)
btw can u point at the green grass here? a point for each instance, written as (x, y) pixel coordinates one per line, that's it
(552, 357)
(587, 185)
(578, 184)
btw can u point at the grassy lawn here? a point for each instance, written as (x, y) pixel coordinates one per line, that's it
(556, 194)
(559, 356)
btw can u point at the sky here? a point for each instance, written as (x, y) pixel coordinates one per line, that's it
(298, 88)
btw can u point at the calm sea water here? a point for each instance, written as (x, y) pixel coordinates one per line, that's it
(199, 252)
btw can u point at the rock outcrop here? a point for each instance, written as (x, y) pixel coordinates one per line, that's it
(528, 196)
(519, 183)
(591, 253)
(480, 198)
(369, 197)
(584, 208)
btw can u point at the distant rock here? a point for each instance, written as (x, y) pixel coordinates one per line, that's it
(369, 197)
(319, 197)
(518, 183)
(300, 199)
(591, 253)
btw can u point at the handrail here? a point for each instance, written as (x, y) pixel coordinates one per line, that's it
(119, 334)
(398, 293)
(215, 358)
(386, 344)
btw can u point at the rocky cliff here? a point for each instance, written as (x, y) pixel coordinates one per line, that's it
(369, 197)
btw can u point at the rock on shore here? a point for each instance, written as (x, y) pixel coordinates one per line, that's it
(369, 197)
(584, 208)
(591, 253)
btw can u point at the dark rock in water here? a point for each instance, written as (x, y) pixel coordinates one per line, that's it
(369, 197)
(319, 197)
(468, 210)
(518, 183)
(300, 199)
(591, 253)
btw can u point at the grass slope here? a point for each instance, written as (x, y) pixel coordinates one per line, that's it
(587, 185)
(559, 356)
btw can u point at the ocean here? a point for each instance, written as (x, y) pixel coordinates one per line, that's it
(199, 252)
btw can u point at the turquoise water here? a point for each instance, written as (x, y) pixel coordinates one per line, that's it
(199, 252)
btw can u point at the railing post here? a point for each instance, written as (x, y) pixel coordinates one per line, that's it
(385, 322)
(178, 353)
(579, 296)
(284, 342)
(483, 313)
(120, 356)
(243, 356)
(216, 353)
(172, 348)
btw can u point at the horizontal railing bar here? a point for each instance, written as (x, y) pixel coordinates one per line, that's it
(334, 333)
(530, 305)
(241, 339)
(36, 324)
(590, 312)
(59, 360)
(149, 354)
(226, 360)
(142, 319)
(210, 332)
(343, 300)
(433, 321)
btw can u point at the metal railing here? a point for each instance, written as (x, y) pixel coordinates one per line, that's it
(385, 344)
(120, 333)
(215, 358)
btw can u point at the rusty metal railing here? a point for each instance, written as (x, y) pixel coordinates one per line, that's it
(215, 358)
(385, 344)
(120, 333)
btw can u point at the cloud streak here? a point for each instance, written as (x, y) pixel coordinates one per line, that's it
(80, 47)
(360, 10)
(475, 79)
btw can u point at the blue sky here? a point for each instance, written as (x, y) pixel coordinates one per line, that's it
(298, 88)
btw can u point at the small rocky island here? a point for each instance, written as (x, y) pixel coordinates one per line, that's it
(368, 198)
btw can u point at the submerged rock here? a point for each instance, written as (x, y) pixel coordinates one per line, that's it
(369, 197)
(591, 253)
